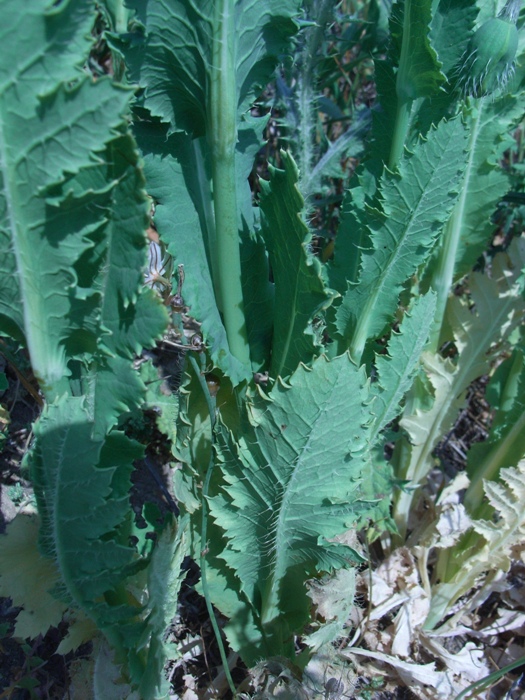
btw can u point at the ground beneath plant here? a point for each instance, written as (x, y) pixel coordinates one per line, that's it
(32, 669)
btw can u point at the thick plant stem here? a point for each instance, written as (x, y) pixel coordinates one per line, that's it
(405, 96)
(403, 499)
(360, 335)
(443, 276)
(223, 137)
(400, 132)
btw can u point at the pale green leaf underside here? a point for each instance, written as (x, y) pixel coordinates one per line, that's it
(299, 290)
(486, 181)
(479, 336)
(173, 61)
(419, 71)
(396, 369)
(47, 133)
(272, 517)
(416, 201)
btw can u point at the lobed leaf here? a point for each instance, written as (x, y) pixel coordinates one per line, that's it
(479, 337)
(172, 59)
(299, 290)
(416, 201)
(485, 180)
(39, 143)
(82, 488)
(491, 550)
(419, 73)
(396, 370)
(450, 30)
(279, 530)
(178, 70)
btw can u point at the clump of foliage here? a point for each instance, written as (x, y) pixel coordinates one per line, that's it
(303, 370)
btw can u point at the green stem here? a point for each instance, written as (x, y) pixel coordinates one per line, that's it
(404, 108)
(443, 275)
(405, 94)
(121, 18)
(210, 401)
(402, 499)
(223, 138)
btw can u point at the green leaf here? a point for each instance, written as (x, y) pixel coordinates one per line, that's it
(173, 59)
(193, 445)
(258, 291)
(485, 180)
(127, 316)
(82, 495)
(57, 43)
(419, 72)
(164, 581)
(479, 338)
(450, 31)
(280, 530)
(416, 201)
(418, 75)
(352, 238)
(349, 145)
(177, 177)
(47, 132)
(177, 171)
(194, 86)
(397, 369)
(117, 13)
(504, 447)
(161, 398)
(299, 290)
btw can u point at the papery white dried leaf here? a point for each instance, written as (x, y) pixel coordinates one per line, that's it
(398, 567)
(450, 493)
(388, 606)
(453, 522)
(334, 598)
(381, 590)
(159, 268)
(505, 621)
(329, 676)
(409, 620)
(413, 674)
(486, 567)
(468, 664)
(390, 581)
